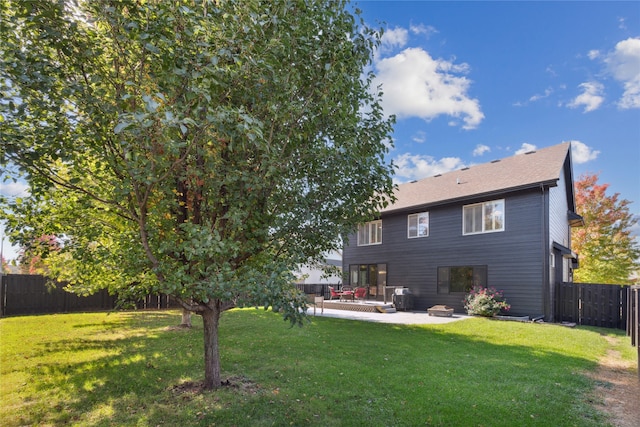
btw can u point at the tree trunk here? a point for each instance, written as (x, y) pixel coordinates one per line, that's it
(210, 319)
(186, 319)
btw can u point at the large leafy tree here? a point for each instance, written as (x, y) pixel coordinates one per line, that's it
(201, 149)
(607, 248)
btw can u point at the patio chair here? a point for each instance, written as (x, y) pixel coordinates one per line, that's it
(343, 294)
(360, 294)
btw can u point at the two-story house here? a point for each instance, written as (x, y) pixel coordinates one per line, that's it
(504, 224)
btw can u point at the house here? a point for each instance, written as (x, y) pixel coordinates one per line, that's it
(329, 271)
(504, 224)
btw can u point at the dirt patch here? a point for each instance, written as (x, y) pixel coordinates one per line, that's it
(238, 383)
(618, 390)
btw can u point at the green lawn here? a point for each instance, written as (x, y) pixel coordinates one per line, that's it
(125, 369)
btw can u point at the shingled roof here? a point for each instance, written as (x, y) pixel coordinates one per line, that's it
(543, 166)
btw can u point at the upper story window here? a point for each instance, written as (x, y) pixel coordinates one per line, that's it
(370, 233)
(483, 217)
(418, 225)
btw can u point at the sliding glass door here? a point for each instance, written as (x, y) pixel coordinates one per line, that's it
(370, 276)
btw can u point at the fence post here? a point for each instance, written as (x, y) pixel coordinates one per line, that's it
(633, 320)
(3, 298)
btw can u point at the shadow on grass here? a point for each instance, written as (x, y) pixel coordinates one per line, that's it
(131, 360)
(331, 372)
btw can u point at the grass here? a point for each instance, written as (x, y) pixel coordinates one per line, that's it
(128, 369)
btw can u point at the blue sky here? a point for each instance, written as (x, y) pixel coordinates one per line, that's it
(471, 82)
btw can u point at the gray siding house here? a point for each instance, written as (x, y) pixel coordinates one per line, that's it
(504, 224)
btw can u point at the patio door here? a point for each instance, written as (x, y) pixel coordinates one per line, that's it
(370, 276)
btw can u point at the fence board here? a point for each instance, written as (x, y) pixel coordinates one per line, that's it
(633, 319)
(592, 304)
(567, 303)
(31, 294)
(320, 289)
(633, 315)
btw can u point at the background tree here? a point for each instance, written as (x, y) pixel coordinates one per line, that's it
(608, 250)
(196, 148)
(5, 265)
(32, 257)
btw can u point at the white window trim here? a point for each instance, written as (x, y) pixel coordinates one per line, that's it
(417, 216)
(372, 225)
(483, 231)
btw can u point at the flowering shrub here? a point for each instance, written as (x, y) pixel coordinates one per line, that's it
(485, 302)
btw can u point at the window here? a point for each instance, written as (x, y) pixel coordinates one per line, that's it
(461, 279)
(370, 233)
(483, 217)
(371, 276)
(418, 225)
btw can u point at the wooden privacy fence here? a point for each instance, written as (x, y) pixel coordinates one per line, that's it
(592, 304)
(320, 289)
(633, 319)
(31, 294)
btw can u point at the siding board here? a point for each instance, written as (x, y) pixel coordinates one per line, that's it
(514, 257)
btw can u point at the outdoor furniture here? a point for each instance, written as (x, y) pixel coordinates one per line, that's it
(360, 294)
(316, 300)
(346, 293)
(343, 294)
(440, 311)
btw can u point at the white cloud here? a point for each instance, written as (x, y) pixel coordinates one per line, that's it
(525, 148)
(427, 30)
(416, 85)
(14, 189)
(635, 231)
(480, 150)
(534, 98)
(591, 97)
(582, 153)
(624, 64)
(622, 24)
(419, 137)
(390, 143)
(551, 71)
(394, 38)
(415, 166)
(538, 96)
(593, 54)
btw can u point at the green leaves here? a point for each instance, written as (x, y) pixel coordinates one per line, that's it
(203, 153)
(607, 249)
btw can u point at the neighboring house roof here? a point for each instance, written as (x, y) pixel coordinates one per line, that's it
(334, 262)
(543, 166)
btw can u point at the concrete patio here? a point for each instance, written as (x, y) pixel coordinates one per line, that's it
(367, 311)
